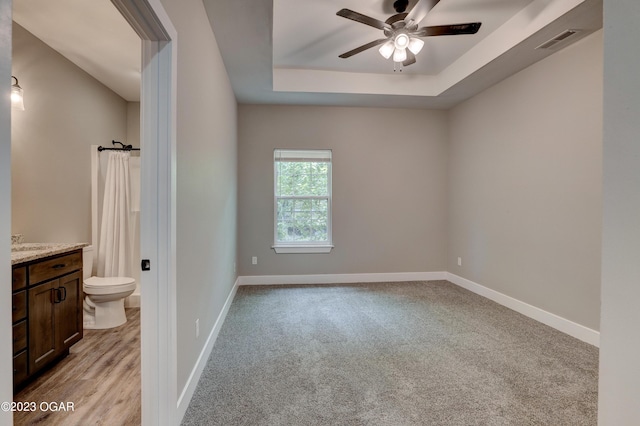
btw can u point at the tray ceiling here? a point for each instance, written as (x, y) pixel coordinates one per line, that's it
(286, 51)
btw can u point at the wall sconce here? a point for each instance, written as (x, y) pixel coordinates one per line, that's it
(17, 96)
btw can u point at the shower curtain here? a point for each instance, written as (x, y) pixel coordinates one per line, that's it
(116, 239)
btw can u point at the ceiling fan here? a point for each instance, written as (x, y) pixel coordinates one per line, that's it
(402, 34)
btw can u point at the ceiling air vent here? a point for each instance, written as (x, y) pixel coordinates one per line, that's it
(558, 39)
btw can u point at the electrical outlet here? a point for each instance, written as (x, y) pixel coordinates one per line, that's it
(254, 260)
(197, 328)
(459, 261)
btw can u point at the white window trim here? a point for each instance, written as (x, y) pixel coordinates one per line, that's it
(284, 249)
(305, 246)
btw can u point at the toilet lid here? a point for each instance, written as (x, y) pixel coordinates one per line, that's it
(108, 281)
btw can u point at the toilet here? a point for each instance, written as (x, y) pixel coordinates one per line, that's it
(104, 296)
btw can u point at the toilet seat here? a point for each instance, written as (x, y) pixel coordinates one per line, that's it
(108, 285)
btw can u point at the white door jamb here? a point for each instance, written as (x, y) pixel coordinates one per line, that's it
(158, 207)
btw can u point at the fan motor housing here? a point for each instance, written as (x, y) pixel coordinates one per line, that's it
(401, 5)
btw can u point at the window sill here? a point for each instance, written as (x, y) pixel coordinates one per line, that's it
(302, 249)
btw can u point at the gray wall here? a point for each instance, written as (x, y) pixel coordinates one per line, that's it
(133, 123)
(206, 181)
(6, 352)
(66, 111)
(525, 184)
(389, 187)
(620, 341)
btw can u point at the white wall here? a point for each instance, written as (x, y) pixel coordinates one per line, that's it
(525, 184)
(66, 111)
(389, 187)
(620, 342)
(206, 181)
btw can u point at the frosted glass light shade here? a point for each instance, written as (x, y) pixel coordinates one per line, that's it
(401, 41)
(415, 45)
(399, 55)
(17, 97)
(386, 50)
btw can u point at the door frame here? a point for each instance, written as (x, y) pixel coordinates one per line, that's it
(157, 207)
(6, 329)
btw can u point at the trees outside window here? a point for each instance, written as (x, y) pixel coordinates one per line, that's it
(302, 197)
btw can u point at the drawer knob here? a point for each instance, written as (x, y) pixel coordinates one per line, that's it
(59, 266)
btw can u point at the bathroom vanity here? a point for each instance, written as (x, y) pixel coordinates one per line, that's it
(47, 305)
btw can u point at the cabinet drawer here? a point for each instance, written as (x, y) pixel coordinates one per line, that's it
(55, 267)
(19, 278)
(19, 306)
(19, 336)
(19, 368)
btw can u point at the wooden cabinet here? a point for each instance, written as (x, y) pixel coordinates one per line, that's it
(69, 310)
(55, 318)
(47, 312)
(19, 305)
(19, 317)
(19, 278)
(42, 348)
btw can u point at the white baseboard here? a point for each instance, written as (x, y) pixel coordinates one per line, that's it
(562, 324)
(552, 320)
(341, 278)
(194, 377)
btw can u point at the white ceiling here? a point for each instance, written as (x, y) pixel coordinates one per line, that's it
(286, 51)
(320, 35)
(92, 34)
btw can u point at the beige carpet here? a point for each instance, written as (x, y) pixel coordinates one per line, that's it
(414, 353)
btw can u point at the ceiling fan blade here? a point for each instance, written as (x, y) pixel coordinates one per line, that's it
(420, 10)
(363, 19)
(411, 59)
(440, 30)
(363, 48)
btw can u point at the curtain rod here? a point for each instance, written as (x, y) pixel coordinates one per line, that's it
(124, 147)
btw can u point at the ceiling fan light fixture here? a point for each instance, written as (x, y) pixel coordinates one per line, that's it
(402, 31)
(401, 41)
(400, 55)
(386, 50)
(415, 45)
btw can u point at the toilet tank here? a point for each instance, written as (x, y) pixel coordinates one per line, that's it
(87, 262)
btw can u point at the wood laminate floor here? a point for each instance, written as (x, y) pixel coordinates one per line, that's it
(100, 376)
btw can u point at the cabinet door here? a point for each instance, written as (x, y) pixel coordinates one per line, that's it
(19, 278)
(69, 311)
(19, 369)
(42, 334)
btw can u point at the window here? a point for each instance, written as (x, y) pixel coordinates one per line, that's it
(302, 201)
